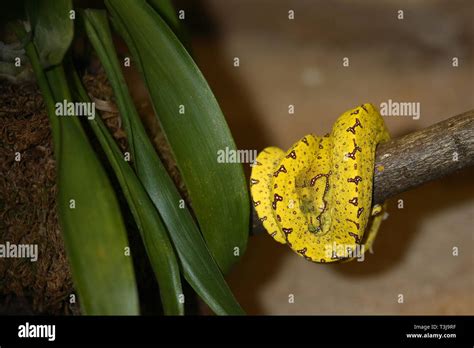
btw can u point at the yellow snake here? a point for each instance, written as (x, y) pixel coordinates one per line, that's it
(317, 196)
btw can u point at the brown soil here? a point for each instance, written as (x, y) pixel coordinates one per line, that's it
(27, 207)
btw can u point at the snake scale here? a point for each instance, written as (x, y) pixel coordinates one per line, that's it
(317, 196)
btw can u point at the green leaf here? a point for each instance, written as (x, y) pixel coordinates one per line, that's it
(198, 266)
(53, 28)
(160, 251)
(167, 11)
(218, 191)
(93, 229)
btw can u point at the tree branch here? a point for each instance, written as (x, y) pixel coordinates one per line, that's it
(417, 158)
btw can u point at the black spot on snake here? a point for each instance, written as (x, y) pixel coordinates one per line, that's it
(357, 124)
(302, 251)
(356, 237)
(354, 201)
(276, 198)
(353, 153)
(356, 180)
(282, 169)
(292, 154)
(313, 180)
(355, 223)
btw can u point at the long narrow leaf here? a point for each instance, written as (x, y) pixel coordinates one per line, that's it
(218, 190)
(198, 266)
(53, 28)
(155, 238)
(92, 225)
(167, 11)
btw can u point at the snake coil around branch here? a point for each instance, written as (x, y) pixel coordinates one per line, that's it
(417, 158)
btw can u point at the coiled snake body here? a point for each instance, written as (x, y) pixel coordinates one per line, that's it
(317, 196)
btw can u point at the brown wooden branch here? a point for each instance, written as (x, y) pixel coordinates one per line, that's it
(419, 157)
